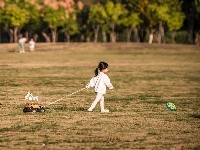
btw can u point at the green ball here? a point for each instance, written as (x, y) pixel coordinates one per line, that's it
(171, 106)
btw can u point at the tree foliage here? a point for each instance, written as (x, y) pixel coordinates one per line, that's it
(97, 14)
(14, 16)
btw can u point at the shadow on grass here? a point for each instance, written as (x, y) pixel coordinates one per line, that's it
(12, 50)
(64, 108)
(195, 116)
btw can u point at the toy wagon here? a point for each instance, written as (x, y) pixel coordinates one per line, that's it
(32, 105)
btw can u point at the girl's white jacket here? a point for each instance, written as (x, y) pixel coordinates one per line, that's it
(100, 82)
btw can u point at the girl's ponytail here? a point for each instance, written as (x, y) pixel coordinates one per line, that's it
(102, 65)
(96, 72)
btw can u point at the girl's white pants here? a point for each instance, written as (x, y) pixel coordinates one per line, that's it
(99, 97)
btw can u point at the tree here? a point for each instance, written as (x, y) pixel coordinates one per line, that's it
(97, 16)
(34, 22)
(115, 14)
(86, 29)
(133, 18)
(131, 22)
(175, 22)
(52, 15)
(147, 13)
(158, 13)
(192, 11)
(162, 15)
(56, 12)
(2, 4)
(197, 22)
(70, 28)
(13, 18)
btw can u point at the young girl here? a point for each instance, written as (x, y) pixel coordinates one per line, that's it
(32, 45)
(99, 82)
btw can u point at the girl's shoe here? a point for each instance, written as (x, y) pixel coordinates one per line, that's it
(105, 110)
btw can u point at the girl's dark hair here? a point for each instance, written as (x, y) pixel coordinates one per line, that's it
(102, 65)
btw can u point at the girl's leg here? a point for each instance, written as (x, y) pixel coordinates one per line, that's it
(20, 47)
(97, 99)
(102, 103)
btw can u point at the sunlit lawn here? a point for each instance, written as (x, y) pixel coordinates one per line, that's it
(145, 77)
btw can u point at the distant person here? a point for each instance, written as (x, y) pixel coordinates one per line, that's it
(21, 42)
(100, 81)
(32, 45)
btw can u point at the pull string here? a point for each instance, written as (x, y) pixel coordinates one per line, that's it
(65, 97)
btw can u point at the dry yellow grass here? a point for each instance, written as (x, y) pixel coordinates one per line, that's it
(145, 77)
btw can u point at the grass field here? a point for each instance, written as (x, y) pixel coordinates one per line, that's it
(145, 77)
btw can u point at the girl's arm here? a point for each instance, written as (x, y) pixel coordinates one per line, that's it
(107, 83)
(90, 84)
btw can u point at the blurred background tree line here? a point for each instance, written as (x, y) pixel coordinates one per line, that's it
(152, 21)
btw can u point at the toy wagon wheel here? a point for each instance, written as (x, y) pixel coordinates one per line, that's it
(24, 110)
(32, 109)
(42, 109)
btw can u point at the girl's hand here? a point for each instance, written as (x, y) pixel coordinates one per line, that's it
(87, 86)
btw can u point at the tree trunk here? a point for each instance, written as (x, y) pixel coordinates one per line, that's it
(104, 37)
(196, 38)
(142, 34)
(88, 39)
(82, 37)
(0, 34)
(67, 35)
(27, 35)
(151, 36)
(112, 37)
(159, 38)
(129, 31)
(112, 33)
(173, 34)
(47, 38)
(35, 37)
(161, 35)
(136, 35)
(191, 28)
(54, 35)
(10, 34)
(15, 34)
(96, 31)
